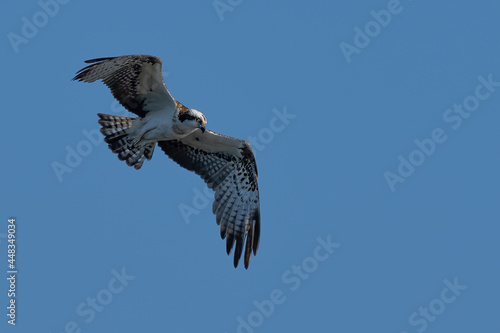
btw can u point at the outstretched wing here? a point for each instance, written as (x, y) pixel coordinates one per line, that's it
(136, 81)
(228, 167)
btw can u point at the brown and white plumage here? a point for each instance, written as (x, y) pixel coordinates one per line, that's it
(136, 81)
(227, 165)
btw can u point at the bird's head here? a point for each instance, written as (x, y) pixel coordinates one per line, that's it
(192, 119)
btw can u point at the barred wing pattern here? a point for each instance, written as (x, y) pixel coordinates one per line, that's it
(136, 81)
(228, 167)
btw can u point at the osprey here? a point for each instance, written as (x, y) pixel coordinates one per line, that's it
(227, 165)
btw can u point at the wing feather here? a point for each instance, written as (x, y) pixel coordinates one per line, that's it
(136, 81)
(228, 166)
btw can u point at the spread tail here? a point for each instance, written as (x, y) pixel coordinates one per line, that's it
(116, 134)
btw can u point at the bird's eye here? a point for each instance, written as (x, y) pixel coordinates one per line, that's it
(198, 120)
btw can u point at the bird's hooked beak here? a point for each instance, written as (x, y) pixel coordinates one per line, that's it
(202, 128)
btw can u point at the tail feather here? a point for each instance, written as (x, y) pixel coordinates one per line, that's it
(114, 127)
(115, 131)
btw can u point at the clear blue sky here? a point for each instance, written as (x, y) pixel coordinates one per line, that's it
(375, 127)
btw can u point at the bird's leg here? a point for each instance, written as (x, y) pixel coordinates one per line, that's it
(133, 142)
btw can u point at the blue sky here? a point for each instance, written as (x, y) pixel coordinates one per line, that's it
(375, 127)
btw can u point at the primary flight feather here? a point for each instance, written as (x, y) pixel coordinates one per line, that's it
(226, 164)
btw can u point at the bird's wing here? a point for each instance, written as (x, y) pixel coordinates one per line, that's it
(228, 167)
(136, 81)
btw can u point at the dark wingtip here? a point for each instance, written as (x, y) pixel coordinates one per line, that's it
(79, 75)
(256, 236)
(91, 61)
(238, 248)
(249, 244)
(229, 243)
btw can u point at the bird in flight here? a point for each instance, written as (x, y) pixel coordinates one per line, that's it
(226, 164)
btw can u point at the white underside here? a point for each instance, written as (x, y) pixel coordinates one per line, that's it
(156, 126)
